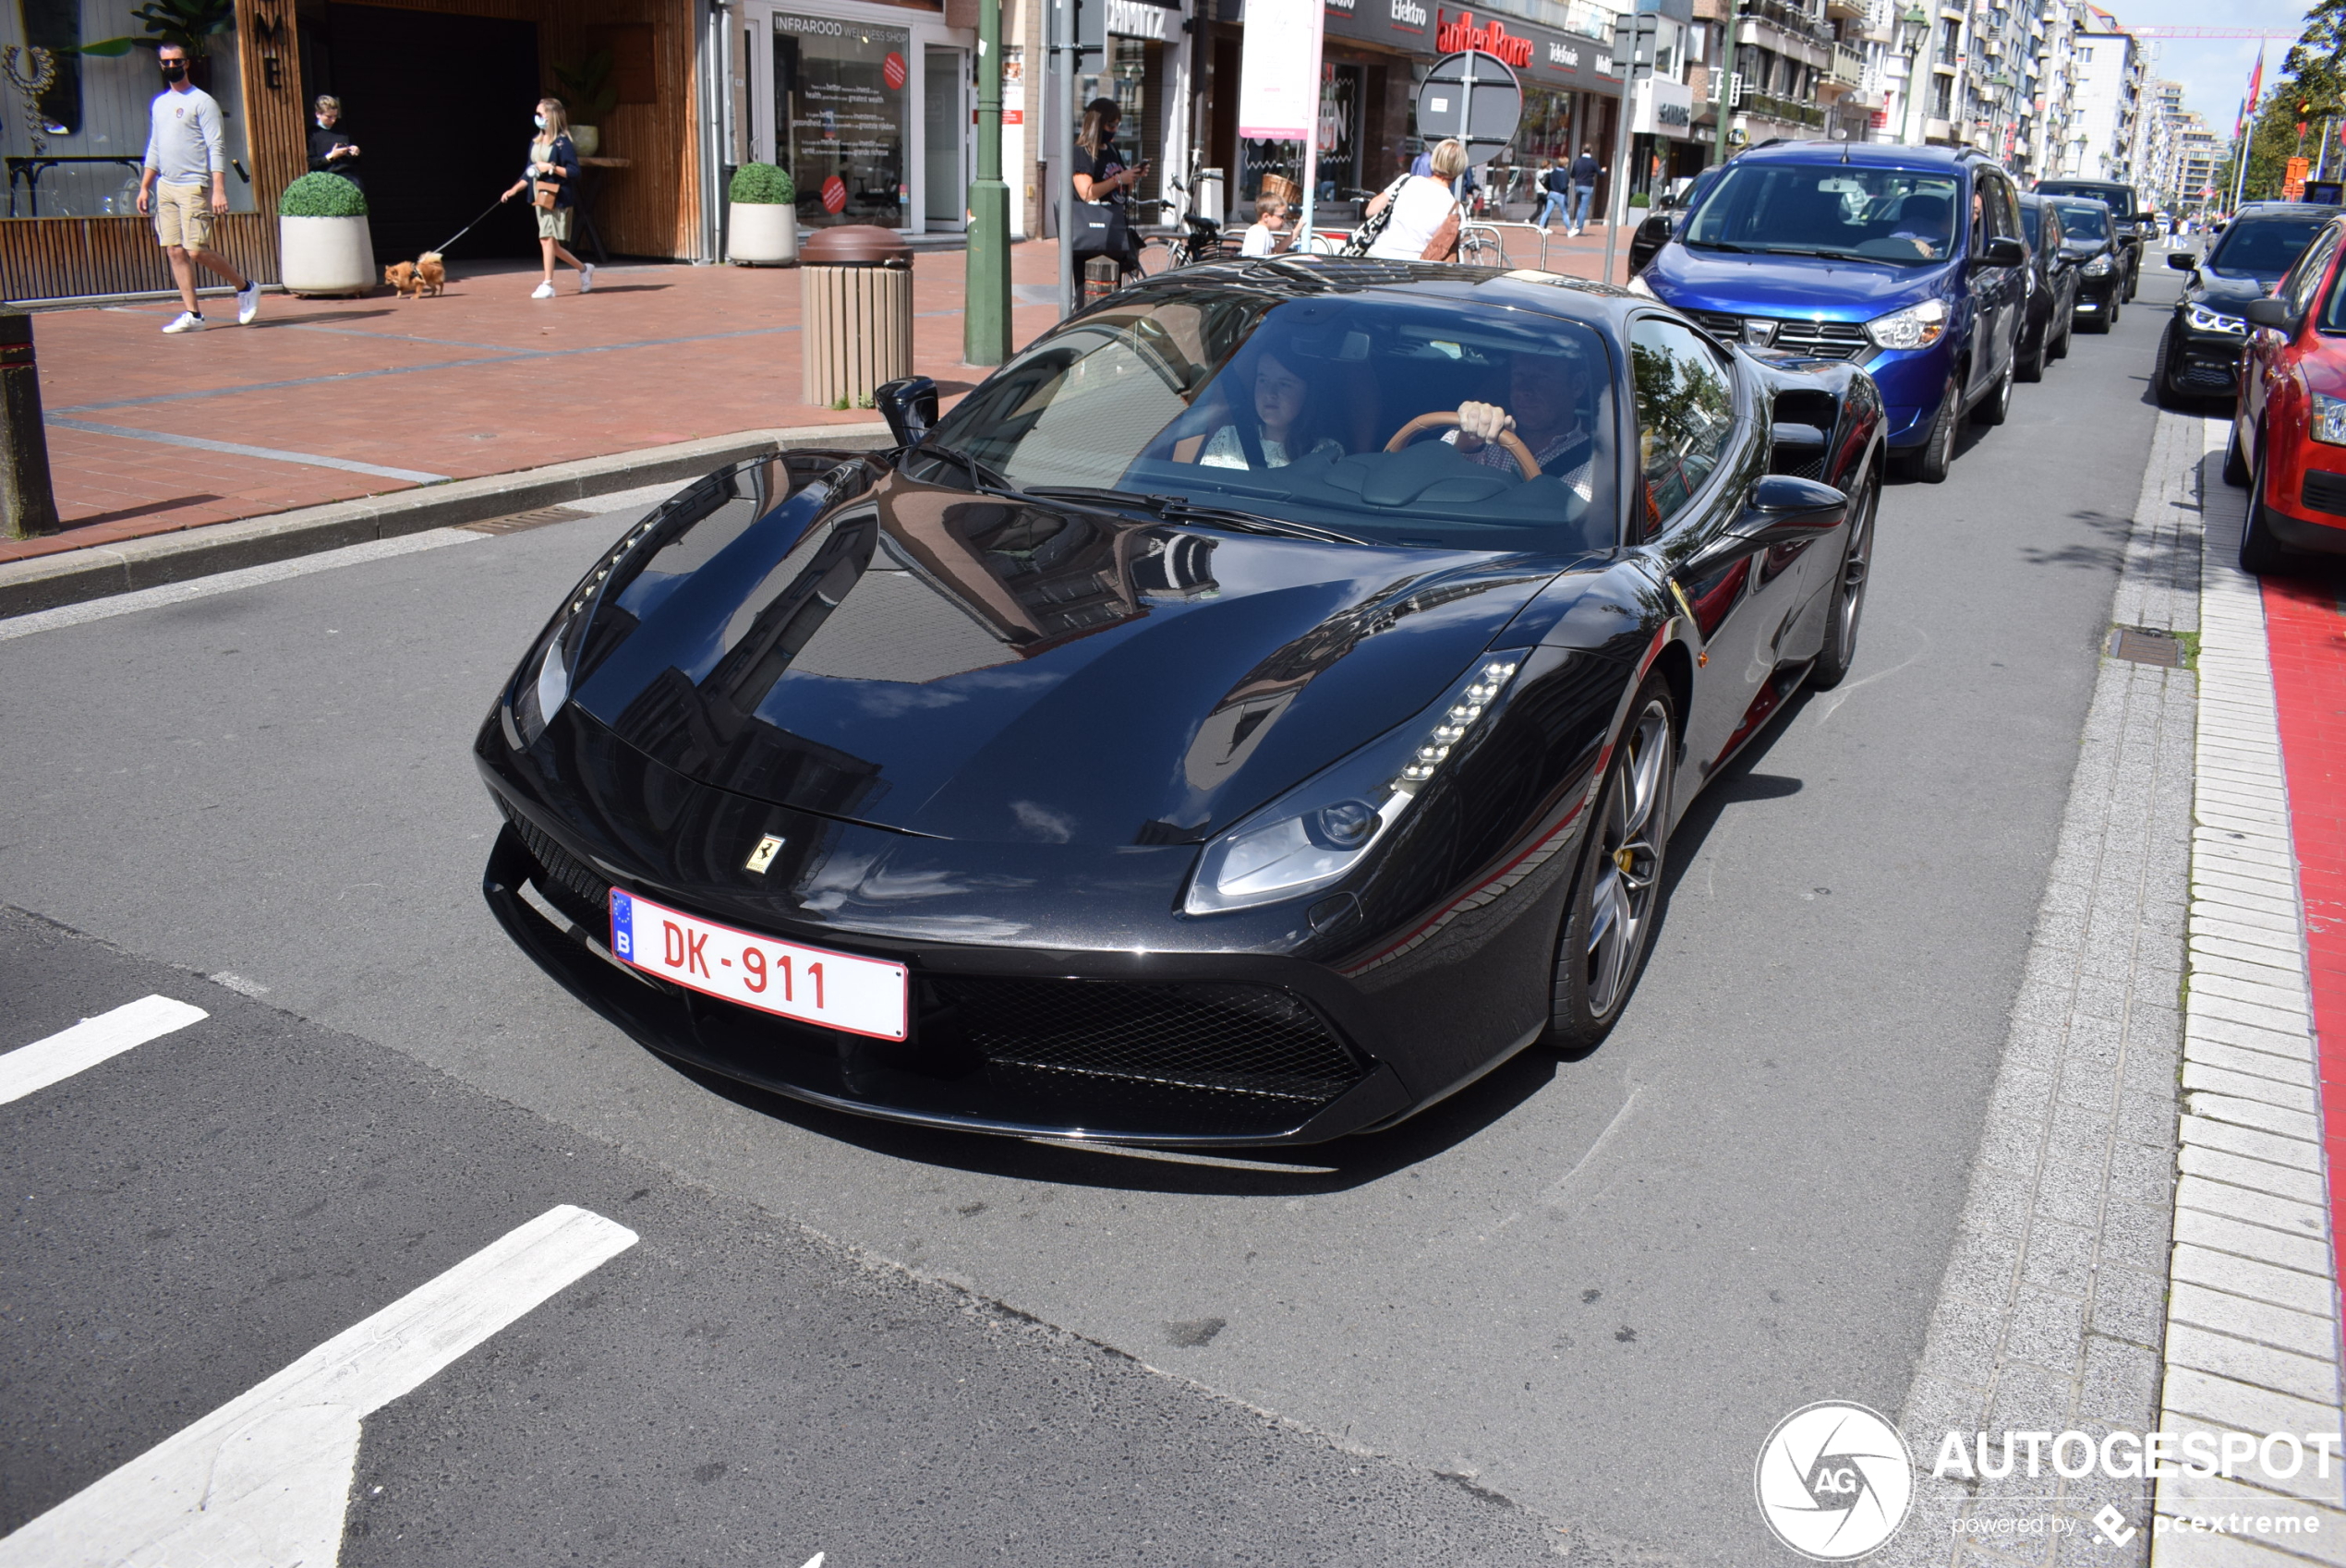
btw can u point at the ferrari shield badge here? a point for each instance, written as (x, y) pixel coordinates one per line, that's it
(763, 856)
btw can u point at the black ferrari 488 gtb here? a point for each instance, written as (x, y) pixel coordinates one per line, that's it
(1253, 712)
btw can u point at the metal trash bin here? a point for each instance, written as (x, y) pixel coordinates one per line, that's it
(855, 299)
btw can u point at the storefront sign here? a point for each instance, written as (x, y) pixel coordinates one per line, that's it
(1279, 72)
(1406, 25)
(1663, 108)
(840, 90)
(1140, 19)
(1453, 33)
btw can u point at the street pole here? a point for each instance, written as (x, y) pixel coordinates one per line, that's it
(1066, 49)
(1617, 205)
(985, 318)
(1726, 80)
(26, 499)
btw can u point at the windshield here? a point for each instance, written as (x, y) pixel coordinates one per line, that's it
(2087, 222)
(1237, 398)
(1901, 216)
(2264, 248)
(2119, 199)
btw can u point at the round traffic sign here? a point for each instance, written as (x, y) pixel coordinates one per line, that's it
(1473, 96)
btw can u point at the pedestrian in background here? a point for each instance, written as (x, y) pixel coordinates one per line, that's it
(1268, 235)
(330, 153)
(1102, 176)
(1585, 169)
(552, 174)
(1555, 195)
(1423, 208)
(183, 182)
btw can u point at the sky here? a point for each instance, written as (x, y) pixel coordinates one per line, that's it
(2214, 71)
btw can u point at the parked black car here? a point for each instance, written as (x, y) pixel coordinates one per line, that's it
(2052, 290)
(2089, 240)
(2133, 223)
(2200, 353)
(1198, 736)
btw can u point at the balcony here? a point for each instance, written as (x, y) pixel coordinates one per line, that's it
(1845, 10)
(1790, 111)
(1848, 66)
(1796, 21)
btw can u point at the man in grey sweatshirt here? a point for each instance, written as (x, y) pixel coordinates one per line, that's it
(186, 161)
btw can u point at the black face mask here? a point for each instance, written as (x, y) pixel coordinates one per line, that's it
(173, 70)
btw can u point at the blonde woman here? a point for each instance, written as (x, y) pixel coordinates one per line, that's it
(553, 161)
(1421, 205)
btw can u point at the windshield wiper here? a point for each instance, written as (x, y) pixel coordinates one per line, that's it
(1718, 245)
(982, 477)
(1798, 250)
(1175, 509)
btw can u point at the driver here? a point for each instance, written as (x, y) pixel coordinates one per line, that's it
(1925, 223)
(1280, 432)
(1546, 417)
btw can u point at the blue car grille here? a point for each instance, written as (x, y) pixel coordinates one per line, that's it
(1819, 340)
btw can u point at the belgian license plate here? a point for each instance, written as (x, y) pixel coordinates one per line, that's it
(811, 984)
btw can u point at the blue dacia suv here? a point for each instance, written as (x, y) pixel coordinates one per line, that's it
(1910, 262)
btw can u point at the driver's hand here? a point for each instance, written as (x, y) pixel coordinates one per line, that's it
(1481, 422)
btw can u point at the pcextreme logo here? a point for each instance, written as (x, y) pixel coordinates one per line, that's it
(1833, 1481)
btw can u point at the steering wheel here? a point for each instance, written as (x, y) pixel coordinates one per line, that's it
(1508, 438)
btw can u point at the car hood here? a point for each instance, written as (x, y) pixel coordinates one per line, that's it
(1825, 290)
(995, 670)
(2228, 292)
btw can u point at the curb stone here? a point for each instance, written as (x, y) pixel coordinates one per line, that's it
(72, 576)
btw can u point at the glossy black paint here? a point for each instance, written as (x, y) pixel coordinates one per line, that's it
(2200, 355)
(994, 731)
(2052, 284)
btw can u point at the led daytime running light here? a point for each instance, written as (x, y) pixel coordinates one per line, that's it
(1453, 726)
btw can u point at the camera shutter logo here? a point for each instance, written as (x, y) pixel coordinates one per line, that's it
(1833, 1481)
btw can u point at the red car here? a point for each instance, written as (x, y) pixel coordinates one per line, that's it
(2289, 429)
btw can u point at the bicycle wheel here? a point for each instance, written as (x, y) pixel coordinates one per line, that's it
(1158, 256)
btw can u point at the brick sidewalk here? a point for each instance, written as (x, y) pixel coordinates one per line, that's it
(329, 400)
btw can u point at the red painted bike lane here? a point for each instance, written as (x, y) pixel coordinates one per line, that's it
(2305, 631)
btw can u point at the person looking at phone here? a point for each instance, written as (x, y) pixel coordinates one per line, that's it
(1102, 176)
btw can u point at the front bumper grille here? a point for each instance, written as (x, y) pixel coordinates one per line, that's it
(2325, 492)
(1819, 340)
(570, 884)
(1230, 1039)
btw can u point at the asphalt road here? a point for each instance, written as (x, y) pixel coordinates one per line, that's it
(1588, 1287)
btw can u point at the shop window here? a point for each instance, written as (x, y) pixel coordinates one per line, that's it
(840, 93)
(75, 125)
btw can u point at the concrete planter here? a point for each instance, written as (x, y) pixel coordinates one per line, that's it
(762, 232)
(325, 255)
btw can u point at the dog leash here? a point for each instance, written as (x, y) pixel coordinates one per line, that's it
(442, 248)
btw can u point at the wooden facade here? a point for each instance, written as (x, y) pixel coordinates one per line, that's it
(650, 207)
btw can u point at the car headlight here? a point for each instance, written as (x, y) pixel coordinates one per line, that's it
(1320, 833)
(2202, 319)
(2328, 424)
(1917, 326)
(2098, 267)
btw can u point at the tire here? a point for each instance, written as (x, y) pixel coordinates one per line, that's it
(2162, 388)
(2108, 318)
(2235, 465)
(1157, 256)
(2134, 276)
(1849, 593)
(1616, 893)
(1996, 407)
(2032, 364)
(2059, 349)
(2259, 553)
(1929, 461)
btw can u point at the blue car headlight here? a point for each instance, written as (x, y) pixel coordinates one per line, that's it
(2202, 319)
(1318, 834)
(1917, 326)
(2328, 422)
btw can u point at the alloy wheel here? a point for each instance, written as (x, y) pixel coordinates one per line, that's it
(1629, 830)
(1849, 595)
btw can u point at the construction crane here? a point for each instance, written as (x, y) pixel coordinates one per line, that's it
(2166, 34)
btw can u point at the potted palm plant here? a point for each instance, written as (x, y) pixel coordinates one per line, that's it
(761, 223)
(322, 243)
(588, 94)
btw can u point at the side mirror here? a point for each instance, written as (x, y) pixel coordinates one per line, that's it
(1782, 510)
(2269, 312)
(2182, 260)
(2003, 252)
(909, 407)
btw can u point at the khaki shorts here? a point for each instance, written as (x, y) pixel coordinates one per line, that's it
(555, 225)
(182, 216)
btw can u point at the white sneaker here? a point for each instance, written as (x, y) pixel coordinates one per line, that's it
(543, 291)
(586, 278)
(185, 321)
(249, 302)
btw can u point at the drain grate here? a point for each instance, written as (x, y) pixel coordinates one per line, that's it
(521, 520)
(2143, 645)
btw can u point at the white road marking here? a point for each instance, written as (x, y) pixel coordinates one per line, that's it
(229, 582)
(28, 1068)
(262, 1482)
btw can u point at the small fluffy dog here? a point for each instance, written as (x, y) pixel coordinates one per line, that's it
(401, 275)
(429, 274)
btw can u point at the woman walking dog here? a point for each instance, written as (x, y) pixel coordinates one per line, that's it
(553, 166)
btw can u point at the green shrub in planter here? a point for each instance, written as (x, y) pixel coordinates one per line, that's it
(762, 185)
(1640, 199)
(322, 196)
